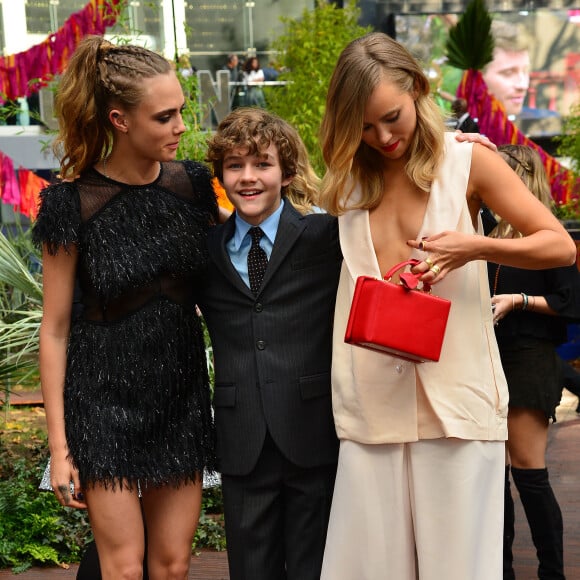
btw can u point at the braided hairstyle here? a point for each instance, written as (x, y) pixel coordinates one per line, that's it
(527, 164)
(99, 77)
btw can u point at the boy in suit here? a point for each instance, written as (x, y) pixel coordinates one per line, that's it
(269, 307)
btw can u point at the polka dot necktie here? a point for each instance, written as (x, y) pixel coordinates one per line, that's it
(257, 260)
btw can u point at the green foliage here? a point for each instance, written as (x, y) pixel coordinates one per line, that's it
(569, 211)
(210, 530)
(569, 141)
(213, 502)
(17, 258)
(308, 50)
(470, 43)
(569, 148)
(35, 529)
(193, 144)
(9, 111)
(20, 309)
(210, 533)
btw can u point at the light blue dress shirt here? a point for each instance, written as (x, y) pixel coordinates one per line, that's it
(239, 244)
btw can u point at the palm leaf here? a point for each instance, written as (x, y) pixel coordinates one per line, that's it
(470, 43)
(25, 372)
(15, 273)
(20, 311)
(21, 333)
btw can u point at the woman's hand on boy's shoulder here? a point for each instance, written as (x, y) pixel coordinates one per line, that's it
(475, 138)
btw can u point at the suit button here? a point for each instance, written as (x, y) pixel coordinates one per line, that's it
(258, 307)
(260, 344)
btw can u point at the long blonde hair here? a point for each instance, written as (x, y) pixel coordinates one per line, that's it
(99, 76)
(254, 129)
(527, 164)
(362, 65)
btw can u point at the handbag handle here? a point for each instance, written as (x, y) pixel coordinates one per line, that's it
(409, 280)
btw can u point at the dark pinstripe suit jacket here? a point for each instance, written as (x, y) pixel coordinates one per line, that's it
(272, 352)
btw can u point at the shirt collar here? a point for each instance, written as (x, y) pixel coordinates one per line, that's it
(269, 227)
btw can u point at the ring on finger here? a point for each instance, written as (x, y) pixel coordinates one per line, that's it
(422, 246)
(435, 269)
(429, 262)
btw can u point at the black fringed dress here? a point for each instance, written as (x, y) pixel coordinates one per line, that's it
(137, 399)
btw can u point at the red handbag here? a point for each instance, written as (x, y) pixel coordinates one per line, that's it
(400, 319)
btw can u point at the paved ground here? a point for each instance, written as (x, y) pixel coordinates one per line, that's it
(564, 466)
(204, 566)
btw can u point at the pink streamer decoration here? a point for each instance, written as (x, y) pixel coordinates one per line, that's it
(10, 187)
(493, 123)
(25, 72)
(20, 189)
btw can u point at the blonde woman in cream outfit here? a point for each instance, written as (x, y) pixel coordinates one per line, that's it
(419, 489)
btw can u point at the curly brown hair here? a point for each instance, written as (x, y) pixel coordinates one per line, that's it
(254, 130)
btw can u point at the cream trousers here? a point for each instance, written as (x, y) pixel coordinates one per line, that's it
(430, 510)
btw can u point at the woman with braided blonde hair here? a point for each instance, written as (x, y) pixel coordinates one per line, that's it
(124, 376)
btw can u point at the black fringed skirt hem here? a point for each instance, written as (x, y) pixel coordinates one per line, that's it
(137, 399)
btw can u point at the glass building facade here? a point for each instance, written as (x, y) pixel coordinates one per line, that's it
(207, 30)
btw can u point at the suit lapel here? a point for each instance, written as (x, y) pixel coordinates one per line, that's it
(216, 243)
(290, 228)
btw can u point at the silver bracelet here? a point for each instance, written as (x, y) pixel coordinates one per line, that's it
(525, 301)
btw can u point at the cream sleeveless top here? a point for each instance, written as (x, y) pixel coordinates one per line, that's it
(379, 398)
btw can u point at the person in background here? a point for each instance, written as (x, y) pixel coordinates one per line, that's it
(507, 76)
(461, 119)
(269, 308)
(254, 77)
(531, 311)
(422, 445)
(125, 381)
(271, 73)
(464, 122)
(237, 94)
(185, 67)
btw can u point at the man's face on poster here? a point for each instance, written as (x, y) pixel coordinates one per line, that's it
(507, 78)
